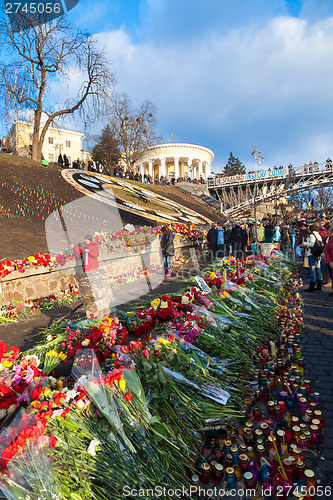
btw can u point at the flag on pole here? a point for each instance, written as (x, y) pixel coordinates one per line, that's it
(310, 204)
(322, 206)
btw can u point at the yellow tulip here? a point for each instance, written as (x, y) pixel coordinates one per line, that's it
(122, 384)
(6, 363)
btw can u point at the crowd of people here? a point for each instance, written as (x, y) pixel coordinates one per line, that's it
(311, 244)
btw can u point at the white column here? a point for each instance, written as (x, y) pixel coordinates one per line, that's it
(162, 167)
(150, 168)
(142, 170)
(189, 165)
(199, 169)
(176, 163)
(182, 168)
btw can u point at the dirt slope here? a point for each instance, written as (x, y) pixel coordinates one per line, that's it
(29, 192)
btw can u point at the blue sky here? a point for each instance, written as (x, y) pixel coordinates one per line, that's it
(231, 75)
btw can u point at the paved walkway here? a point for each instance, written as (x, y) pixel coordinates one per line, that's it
(317, 341)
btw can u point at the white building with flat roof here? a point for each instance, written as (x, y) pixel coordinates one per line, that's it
(175, 160)
(56, 141)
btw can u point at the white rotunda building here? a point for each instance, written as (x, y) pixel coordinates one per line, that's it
(175, 160)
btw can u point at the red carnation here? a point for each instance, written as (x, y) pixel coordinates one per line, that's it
(128, 396)
(16, 352)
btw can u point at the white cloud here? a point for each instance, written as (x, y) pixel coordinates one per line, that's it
(266, 87)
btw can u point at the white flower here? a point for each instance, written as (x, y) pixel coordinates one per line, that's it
(185, 300)
(85, 343)
(70, 395)
(49, 338)
(57, 413)
(92, 447)
(80, 404)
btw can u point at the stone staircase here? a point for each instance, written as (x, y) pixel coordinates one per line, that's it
(201, 191)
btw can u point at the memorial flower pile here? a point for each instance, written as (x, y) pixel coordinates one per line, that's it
(135, 410)
(139, 236)
(17, 311)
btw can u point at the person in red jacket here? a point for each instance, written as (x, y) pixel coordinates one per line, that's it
(329, 251)
(89, 254)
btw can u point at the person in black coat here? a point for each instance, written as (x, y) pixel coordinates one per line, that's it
(212, 240)
(168, 249)
(237, 238)
(269, 232)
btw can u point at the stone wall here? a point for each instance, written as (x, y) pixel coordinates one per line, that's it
(41, 282)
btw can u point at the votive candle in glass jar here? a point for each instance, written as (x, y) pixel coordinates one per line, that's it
(303, 405)
(282, 405)
(257, 413)
(226, 447)
(277, 412)
(248, 438)
(311, 481)
(313, 406)
(308, 436)
(218, 474)
(228, 461)
(230, 477)
(294, 420)
(242, 448)
(308, 385)
(300, 468)
(316, 398)
(265, 429)
(303, 442)
(303, 390)
(244, 462)
(235, 454)
(257, 395)
(249, 481)
(315, 433)
(250, 451)
(296, 431)
(261, 451)
(288, 468)
(270, 407)
(205, 473)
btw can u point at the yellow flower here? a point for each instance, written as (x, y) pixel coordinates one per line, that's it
(225, 293)
(163, 341)
(47, 391)
(164, 305)
(34, 404)
(155, 303)
(31, 258)
(6, 363)
(212, 275)
(158, 346)
(122, 384)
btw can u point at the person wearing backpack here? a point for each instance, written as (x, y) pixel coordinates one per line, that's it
(315, 248)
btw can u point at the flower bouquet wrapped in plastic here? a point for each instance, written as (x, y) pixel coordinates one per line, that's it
(27, 467)
(87, 371)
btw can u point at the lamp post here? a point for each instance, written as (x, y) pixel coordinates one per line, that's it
(258, 158)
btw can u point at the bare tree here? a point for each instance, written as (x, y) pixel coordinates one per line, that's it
(134, 129)
(324, 198)
(39, 56)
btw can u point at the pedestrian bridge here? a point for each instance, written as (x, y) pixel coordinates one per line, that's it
(239, 193)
